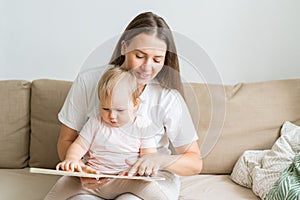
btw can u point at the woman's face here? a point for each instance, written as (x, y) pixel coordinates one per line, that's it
(145, 55)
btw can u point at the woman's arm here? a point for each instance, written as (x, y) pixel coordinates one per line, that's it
(187, 162)
(182, 134)
(66, 138)
(81, 100)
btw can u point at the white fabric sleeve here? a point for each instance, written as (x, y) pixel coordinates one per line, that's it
(74, 111)
(87, 133)
(148, 143)
(178, 122)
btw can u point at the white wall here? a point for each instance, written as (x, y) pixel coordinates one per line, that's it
(247, 40)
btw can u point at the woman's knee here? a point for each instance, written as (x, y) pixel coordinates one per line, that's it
(127, 196)
(85, 197)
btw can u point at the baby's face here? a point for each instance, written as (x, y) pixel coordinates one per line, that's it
(118, 109)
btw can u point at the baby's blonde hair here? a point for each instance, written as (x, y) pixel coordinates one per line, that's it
(110, 79)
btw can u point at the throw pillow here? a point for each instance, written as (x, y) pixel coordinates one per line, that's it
(261, 169)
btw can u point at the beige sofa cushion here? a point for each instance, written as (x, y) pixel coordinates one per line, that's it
(213, 187)
(14, 123)
(254, 113)
(47, 99)
(21, 184)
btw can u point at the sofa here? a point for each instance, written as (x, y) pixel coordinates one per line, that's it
(229, 119)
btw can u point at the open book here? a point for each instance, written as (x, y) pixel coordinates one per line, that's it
(87, 175)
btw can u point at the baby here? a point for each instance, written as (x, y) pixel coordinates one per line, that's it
(108, 141)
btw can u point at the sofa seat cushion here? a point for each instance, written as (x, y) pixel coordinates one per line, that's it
(21, 184)
(213, 187)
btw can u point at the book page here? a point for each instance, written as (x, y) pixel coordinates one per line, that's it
(87, 175)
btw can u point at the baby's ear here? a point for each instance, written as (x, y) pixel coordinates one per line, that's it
(136, 103)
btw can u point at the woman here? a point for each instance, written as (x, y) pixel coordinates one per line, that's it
(147, 48)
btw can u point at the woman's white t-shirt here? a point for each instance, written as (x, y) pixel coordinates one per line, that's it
(164, 108)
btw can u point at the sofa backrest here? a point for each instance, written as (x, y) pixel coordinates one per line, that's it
(240, 117)
(47, 98)
(14, 123)
(229, 120)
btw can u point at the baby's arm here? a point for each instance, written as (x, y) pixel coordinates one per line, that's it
(73, 157)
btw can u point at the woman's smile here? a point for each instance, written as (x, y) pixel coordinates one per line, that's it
(141, 75)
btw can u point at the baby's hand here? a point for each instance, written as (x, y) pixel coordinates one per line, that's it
(69, 165)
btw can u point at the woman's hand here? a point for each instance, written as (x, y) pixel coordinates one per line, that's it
(147, 165)
(69, 165)
(186, 162)
(92, 183)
